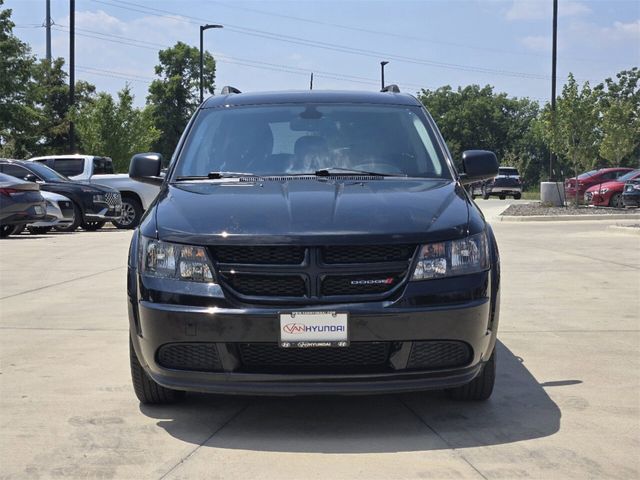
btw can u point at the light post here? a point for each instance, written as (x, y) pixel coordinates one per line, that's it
(202, 29)
(382, 64)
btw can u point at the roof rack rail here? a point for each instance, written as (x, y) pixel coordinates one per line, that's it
(393, 88)
(227, 89)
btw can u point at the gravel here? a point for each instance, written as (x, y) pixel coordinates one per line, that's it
(535, 208)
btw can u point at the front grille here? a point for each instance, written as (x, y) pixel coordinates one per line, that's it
(113, 199)
(266, 285)
(311, 273)
(432, 355)
(259, 255)
(357, 356)
(202, 357)
(367, 253)
(360, 284)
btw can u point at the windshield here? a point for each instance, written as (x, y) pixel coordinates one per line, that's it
(46, 173)
(591, 173)
(628, 176)
(302, 139)
(511, 172)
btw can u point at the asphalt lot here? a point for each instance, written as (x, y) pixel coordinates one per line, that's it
(566, 403)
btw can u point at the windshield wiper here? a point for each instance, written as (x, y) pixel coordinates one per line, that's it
(215, 176)
(333, 171)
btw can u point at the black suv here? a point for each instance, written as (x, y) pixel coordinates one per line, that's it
(313, 242)
(93, 205)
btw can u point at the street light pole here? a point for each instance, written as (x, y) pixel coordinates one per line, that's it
(202, 29)
(382, 64)
(72, 71)
(553, 82)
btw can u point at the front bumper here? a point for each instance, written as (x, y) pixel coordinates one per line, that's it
(105, 213)
(631, 199)
(402, 322)
(504, 190)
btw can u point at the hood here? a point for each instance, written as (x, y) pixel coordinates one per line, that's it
(611, 184)
(53, 197)
(312, 211)
(83, 186)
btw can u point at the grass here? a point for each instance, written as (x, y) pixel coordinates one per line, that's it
(532, 195)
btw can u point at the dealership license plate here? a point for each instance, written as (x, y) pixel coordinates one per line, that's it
(313, 329)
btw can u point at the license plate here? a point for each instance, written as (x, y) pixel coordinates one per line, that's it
(313, 329)
(39, 210)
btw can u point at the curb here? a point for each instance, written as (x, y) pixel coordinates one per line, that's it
(623, 229)
(567, 218)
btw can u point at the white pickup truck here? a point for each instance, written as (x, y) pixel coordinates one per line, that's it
(136, 196)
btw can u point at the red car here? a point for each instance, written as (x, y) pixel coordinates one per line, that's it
(610, 193)
(589, 179)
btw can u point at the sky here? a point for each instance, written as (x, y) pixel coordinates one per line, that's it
(275, 45)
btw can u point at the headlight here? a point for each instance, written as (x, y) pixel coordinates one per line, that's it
(455, 257)
(176, 261)
(636, 186)
(98, 198)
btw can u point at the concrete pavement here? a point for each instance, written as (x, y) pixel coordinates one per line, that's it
(566, 404)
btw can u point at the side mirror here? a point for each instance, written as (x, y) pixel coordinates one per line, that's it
(30, 177)
(145, 167)
(478, 165)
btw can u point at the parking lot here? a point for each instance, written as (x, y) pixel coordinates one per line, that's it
(566, 403)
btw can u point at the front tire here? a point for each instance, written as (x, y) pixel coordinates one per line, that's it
(77, 220)
(6, 230)
(148, 391)
(517, 196)
(131, 214)
(481, 387)
(616, 201)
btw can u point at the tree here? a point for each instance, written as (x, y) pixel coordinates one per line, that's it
(174, 97)
(16, 115)
(49, 94)
(572, 132)
(476, 117)
(619, 104)
(621, 131)
(115, 129)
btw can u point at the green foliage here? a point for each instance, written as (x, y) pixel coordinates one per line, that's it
(115, 129)
(16, 115)
(572, 133)
(620, 131)
(475, 117)
(175, 96)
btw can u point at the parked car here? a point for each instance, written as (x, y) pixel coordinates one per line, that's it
(591, 178)
(59, 214)
(506, 184)
(609, 194)
(348, 259)
(20, 203)
(93, 205)
(631, 194)
(136, 196)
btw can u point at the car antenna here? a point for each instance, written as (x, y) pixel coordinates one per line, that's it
(228, 89)
(311, 82)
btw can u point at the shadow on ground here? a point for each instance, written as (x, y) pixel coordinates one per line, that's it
(519, 410)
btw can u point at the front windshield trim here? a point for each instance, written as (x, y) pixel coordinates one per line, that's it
(437, 155)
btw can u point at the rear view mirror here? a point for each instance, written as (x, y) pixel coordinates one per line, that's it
(478, 165)
(145, 167)
(30, 177)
